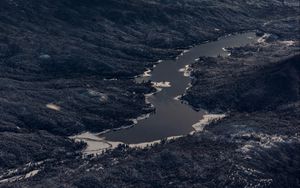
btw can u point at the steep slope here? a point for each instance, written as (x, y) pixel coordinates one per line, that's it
(256, 145)
(255, 80)
(57, 51)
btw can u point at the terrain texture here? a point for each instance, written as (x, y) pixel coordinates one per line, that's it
(67, 67)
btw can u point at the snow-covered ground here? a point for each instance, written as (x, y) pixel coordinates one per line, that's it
(161, 84)
(206, 120)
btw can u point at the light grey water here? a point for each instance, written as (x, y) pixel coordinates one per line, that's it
(172, 117)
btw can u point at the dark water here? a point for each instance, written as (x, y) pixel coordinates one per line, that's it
(172, 117)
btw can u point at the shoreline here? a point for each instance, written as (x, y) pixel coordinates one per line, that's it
(198, 127)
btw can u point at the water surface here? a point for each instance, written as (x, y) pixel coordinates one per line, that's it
(172, 117)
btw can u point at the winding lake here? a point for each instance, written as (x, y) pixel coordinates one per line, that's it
(172, 116)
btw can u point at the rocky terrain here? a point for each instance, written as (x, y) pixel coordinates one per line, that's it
(67, 67)
(253, 78)
(256, 145)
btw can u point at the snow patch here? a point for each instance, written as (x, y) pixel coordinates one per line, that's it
(148, 144)
(20, 177)
(288, 42)
(263, 38)
(178, 98)
(110, 79)
(103, 96)
(161, 84)
(142, 117)
(53, 107)
(263, 140)
(186, 70)
(95, 143)
(44, 56)
(183, 52)
(31, 174)
(208, 118)
(147, 73)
